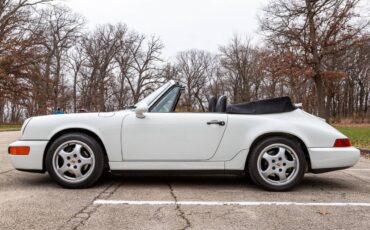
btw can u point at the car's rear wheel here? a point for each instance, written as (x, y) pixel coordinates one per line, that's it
(75, 160)
(277, 163)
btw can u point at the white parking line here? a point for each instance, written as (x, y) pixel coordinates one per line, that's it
(220, 203)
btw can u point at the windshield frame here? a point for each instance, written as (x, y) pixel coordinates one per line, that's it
(153, 97)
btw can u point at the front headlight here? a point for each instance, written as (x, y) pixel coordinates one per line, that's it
(25, 123)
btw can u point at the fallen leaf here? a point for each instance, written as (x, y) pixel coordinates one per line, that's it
(324, 212)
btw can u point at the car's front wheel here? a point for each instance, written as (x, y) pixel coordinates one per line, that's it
(277, 163)
(75, 160)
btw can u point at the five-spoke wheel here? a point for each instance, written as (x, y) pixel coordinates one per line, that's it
(277, 163)
(75, 160)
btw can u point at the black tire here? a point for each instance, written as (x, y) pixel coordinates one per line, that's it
(258, 150)
(97, 152)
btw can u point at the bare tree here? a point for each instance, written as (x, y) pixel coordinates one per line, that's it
(350, 96)
(61, 28)
(314, 29)
(145, 68)
(238, 60)
(75, 62)
(100, 49)
(317, 52)
(195, 68)
(18, 50)
(125, 60)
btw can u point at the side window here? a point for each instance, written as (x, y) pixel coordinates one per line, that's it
(167, 103)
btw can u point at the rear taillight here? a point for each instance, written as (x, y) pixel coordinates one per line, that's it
(344, 142)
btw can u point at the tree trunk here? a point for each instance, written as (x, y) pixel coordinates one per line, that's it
(2, 103)
(319, 82)
(320, 96)
(75, 93)
(102, 97)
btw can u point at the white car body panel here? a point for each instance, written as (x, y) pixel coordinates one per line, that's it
(183, 141)
(322, 158)
(167, 165)
(171, 136)
(238, 161)
(107, 128)
(33, 161)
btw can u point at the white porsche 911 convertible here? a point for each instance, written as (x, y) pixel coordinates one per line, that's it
(272, 141)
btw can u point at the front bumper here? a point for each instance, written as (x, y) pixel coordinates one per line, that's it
(333, 158)
(34, 160)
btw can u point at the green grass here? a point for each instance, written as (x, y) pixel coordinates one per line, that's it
(359, 135)
(6, 127)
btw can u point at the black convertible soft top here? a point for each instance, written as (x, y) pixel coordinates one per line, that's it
(275, 105)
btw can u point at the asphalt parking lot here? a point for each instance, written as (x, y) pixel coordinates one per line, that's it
(336, 200)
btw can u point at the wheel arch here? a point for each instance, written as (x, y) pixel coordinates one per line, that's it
(280, 134)
(75, 130)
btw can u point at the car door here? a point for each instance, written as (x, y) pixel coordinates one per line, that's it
(172, 136)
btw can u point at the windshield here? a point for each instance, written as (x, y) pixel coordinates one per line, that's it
(151, 97)
(167, 103)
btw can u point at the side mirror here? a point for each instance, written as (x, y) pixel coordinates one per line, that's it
(140, 110)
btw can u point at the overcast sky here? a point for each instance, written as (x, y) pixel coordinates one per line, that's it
(181, 24)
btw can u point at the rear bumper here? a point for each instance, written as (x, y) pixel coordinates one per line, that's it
(333, 158)
(31, 162)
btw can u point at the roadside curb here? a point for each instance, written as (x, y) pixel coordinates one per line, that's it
(363, 150)
(9, 130)
(365, 153)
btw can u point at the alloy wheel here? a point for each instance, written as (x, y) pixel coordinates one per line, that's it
(73, 161)
(278, 164)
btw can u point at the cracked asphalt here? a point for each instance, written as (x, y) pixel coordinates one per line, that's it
(34, 201)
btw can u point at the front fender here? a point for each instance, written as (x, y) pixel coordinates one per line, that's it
(107, 128)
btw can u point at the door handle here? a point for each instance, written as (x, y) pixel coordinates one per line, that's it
(215, 122)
